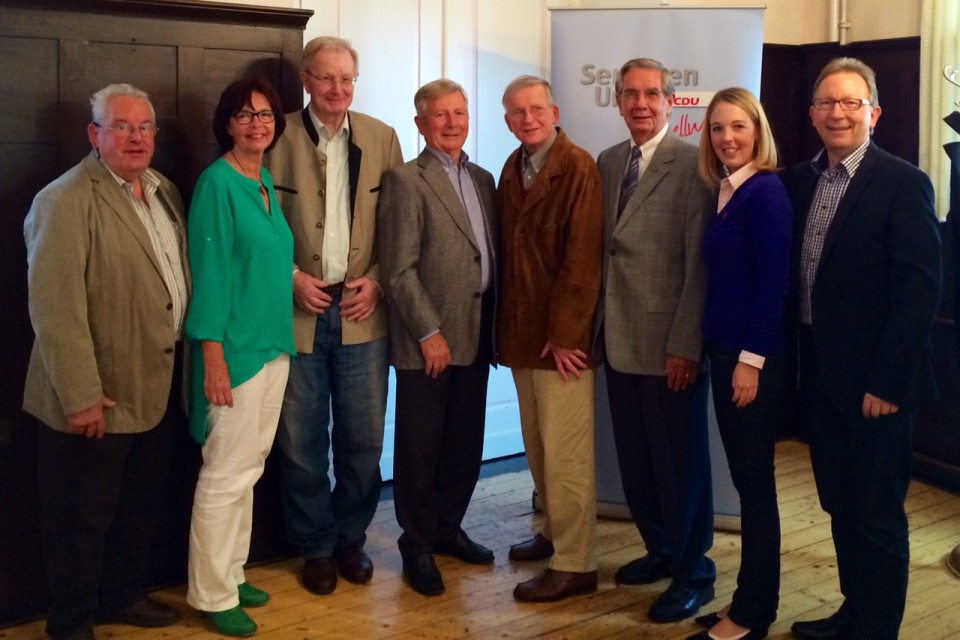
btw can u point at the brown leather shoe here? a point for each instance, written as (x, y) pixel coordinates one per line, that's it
(320, 575)
(536, 548)
(551, 586)
(355, 565)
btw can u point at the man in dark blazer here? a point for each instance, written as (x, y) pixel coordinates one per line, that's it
(109, 286)
(551, 228)
(437, 234)
(868, 285)
(648, 321)
(326, 170)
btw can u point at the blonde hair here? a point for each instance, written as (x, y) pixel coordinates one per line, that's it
(326, 43)
(765, 157)
(522, 82)
(850, 65)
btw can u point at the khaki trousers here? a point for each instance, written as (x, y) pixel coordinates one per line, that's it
(556, 420)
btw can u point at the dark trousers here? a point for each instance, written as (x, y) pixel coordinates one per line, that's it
(99, 502)
(664, 455)
(438, 446)
(749, 435)
(862, 469)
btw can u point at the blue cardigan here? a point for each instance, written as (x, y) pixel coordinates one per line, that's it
(747, 251)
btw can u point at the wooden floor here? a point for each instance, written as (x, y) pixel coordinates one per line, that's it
(478, 601)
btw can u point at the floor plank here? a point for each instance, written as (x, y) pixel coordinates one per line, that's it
(478, 603)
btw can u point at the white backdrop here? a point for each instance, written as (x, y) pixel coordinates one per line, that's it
(707, 50)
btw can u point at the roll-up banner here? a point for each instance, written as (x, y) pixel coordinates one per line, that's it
(706, 49)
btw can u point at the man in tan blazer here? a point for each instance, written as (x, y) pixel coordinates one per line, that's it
(649, 335)
(326, 171)
(551, 232)
(108, 285)
(437, 251)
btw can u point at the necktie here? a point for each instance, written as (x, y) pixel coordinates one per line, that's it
(629, 179)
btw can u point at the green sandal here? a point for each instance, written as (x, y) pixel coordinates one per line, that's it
(233, 622)
(250, 596)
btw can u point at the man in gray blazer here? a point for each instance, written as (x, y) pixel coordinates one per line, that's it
(326, 171)
(108, 284)
(649, 337)
(437, 235)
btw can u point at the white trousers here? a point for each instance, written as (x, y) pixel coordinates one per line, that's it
(238, 442)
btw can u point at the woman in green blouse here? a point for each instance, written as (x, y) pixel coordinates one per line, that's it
(241, 325)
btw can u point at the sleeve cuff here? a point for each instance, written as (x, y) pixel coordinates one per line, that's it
(752, 359)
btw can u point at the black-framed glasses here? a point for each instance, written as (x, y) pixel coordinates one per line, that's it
(847, 104)
(125, 129)
(246, 117)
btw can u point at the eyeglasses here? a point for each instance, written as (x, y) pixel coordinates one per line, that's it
(632, 95)
(125, 129)
(536, 111)
(246, 117)
(847, 104)
(330, 81)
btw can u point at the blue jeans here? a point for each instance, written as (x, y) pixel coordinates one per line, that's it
(352, 380)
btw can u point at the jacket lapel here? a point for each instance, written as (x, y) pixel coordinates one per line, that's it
(656, 171)
(436, 178)
(848, 203)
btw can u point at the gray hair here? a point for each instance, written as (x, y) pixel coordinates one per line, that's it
(433, 90)
(850, 65)
(326, 43)
(522, 82)
(100, 100)
(646, 63)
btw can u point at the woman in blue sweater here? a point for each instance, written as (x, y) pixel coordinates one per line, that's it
(747, 252)
(240, 322)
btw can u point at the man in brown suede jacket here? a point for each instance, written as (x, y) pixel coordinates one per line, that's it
(551, 234)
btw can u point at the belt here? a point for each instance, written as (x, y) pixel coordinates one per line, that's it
(333, 289)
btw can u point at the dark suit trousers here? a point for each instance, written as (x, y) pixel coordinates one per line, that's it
(663, 450)
(749, 435)
(438, 447)
(862, 469)
(99, 502)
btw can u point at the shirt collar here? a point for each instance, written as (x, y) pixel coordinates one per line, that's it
(322, 131)
(539, 157)
(850, 164)
(148, 179)
(648, 148)
(447, 161)
(741, 175)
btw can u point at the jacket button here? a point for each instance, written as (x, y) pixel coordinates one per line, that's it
(322, 192)
(476, 258)
(319, 225)
(316, 257)
(477, 294)
(169, 306)
(168, 350)
(613, 252)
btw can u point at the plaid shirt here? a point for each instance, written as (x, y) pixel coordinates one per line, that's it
(831, 186)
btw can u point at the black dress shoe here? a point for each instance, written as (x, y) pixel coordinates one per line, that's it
(751, 635)
(645, 570)
(463, 548)
(320, 575)
(355, 566)
(679, 601)
(708, 621)
(142, 613)
(536, 548)
(83, 634)
(422, 574)
(550, 586)
(833, 628)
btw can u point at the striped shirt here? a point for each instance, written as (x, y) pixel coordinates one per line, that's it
(166, 237)
(831, 186)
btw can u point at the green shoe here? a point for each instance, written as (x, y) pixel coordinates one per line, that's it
(233, 622)
(250, 596)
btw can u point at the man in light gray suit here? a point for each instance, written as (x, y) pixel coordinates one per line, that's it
(649, 318)
(437, 235)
